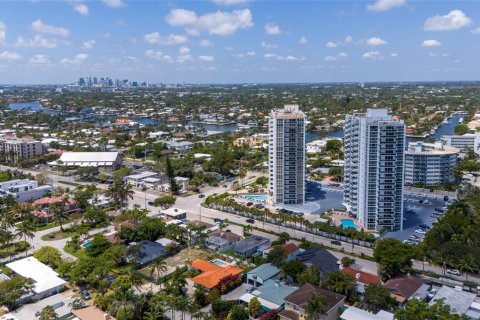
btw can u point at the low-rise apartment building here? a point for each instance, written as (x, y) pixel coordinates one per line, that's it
(429, 164)
(14, 150)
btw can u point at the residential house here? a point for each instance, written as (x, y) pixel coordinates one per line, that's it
(262, 274)
(175, 213)
(46, 282)
(179, 146)
(290, 249)
(251, 245)
(132, 224)
(403, 288)
(353, 313)
(92, 313)
(221, 240)
(320, 257)
(145, 177)
(296, 301)
(24, 190)
(270, 294)
(459, 301)
(211, 274)
(58, 302)
(181, 182)
(44, 206)
(148, 252)
(362, 278)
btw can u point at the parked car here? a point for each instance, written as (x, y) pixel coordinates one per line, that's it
(259, 206)
(250, 220)
(217, 220)
(336, 242)
(445, 198)
(150, 203)
(201, 195)
(424, 226)
(455, 272)
(420, 201)
(248, 204)
(426, 202)
(420, 231)
(86, 295)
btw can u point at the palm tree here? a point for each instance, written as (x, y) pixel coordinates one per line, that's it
(158, 267)
(134, 279)
(315, 306)
(58, 210)
(48, 313)
(6, 238)
(467, 264)
(25, 230)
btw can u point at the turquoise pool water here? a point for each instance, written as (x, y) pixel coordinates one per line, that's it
(219, 263)
(86, 244)
(256, 197)
(348, 223)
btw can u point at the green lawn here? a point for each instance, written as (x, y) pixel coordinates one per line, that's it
(80, 254)
(13, 248)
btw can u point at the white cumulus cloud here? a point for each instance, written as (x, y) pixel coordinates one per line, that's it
(114, 3)
(374, 41)
(340, 56)
(39, 27)
(81, 8)
(331, 44)
(303, 40)
(78, 59)
(10, 56)
(385, 5)
(348, 39)
(268, 45)
(88, 44)
(158, 55)
(3, 33)
(156, 38)
(205, 43)
(219, 23)
(272, 29)
(474, 31)
(431, 43)
(206, 58)
(371, 55)
(454, 20)
(38, 42)
(39, 59)
(229, 2)
(274, 56)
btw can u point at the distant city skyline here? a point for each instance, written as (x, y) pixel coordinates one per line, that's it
(239, 41)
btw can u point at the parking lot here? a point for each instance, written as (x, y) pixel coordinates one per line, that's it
(415, 213)
(326, 196)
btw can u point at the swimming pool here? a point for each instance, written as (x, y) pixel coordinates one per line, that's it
(348, 223)
(219, 263)
(256, 197)
(86, 244)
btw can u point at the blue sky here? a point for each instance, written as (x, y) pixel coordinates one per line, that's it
(233, 41)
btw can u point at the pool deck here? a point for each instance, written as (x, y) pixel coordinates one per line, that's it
(338, 217)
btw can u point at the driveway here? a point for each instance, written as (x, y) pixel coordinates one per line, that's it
(236, 293)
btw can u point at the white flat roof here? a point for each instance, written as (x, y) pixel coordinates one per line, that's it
(142, 175)
(43, 276)
(173, 211)
(354, 313)
(89, 157)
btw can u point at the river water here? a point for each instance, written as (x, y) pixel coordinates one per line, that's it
(443, 129)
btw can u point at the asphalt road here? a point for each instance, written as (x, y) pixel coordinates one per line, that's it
(192, 204)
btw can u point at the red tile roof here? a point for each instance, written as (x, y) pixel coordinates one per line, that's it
(288, 248)
(361, 276)
(212, 274)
